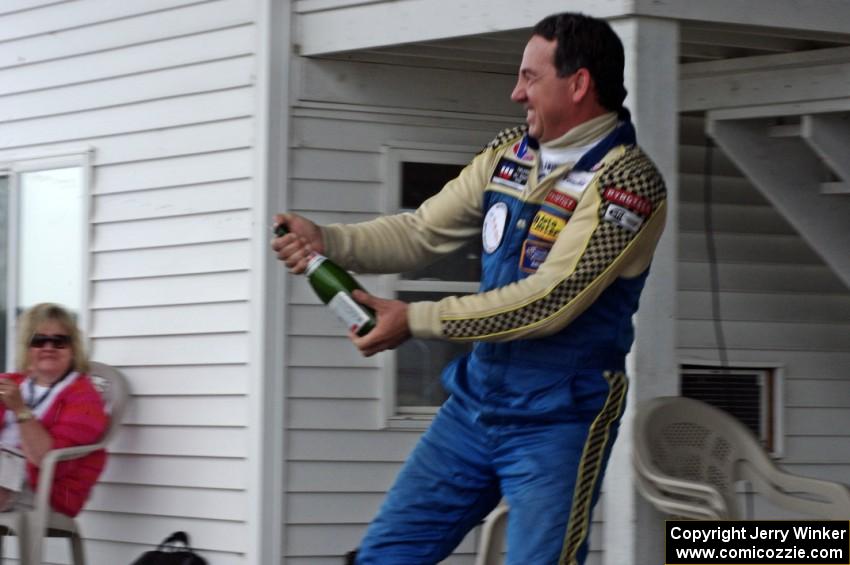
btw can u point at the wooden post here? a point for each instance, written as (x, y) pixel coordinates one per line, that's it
(633, 530)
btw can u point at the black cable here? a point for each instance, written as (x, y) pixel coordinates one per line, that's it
(711, 249)
(714, 278)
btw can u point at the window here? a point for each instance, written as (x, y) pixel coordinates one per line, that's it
(415, 174)
(43, 211)
(4, 262)
(750, 394)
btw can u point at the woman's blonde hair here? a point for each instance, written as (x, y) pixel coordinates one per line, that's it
(46, 312)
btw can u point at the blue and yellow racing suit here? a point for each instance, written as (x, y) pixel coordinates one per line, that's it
(534, 408)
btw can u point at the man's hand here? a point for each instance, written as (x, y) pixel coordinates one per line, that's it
(303, 238)
(391, 330)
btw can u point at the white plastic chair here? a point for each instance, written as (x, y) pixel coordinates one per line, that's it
(689, 455)
(492, 538)
(32, 526)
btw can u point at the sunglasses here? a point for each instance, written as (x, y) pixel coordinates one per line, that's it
(57, 341)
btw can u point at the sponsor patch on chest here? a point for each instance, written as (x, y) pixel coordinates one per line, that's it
(520, 149)
(512, 174)
(493, 228)
(553, 215)
(575, 181)
(533, 255)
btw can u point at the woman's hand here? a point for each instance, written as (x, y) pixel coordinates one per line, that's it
(10, 395)
(35, 440)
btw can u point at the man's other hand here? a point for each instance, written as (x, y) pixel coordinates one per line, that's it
(391, 329)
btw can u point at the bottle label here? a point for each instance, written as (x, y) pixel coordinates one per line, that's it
(349, 311)
(313, 263)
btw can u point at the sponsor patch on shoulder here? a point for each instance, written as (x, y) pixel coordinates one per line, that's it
(510, 173)
(627, 220)
(626, 209)
(575, 181)
(634, 202)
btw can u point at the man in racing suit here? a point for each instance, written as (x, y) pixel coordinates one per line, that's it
(569, 211)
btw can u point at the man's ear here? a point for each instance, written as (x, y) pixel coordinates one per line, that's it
(582, 85)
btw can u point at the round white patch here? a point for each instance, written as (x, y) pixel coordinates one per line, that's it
(494, 226)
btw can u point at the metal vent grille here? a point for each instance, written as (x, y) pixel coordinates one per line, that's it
(745, 393)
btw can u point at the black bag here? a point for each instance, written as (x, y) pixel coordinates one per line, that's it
(170, 553)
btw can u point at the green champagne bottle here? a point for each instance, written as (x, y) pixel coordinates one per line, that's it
(334, 285)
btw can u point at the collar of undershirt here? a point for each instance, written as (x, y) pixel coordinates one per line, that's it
(572, 145)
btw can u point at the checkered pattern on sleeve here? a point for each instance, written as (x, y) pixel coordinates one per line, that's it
(633, 172)
(505, 136)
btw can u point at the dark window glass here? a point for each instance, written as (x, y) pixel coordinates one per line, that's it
(419, 363)
(420, 181)
(4, 267)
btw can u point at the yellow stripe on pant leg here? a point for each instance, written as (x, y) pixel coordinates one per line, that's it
(590, 466)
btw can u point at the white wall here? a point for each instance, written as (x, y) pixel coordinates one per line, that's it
(163, 92)
(779, 305)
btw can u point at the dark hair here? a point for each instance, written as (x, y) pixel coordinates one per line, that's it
(583, 41)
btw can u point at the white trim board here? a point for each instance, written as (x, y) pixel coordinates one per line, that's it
(267, 497)
(345, 27)
(333, 26)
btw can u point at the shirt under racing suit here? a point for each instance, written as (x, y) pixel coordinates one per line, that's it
(534, 408)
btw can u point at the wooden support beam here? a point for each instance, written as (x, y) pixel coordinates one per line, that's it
(792, 130)
(790, 109)
(800, 79)
(829, 136)
(817, 15)
(828, 188)
(751, 39)
(788, 174)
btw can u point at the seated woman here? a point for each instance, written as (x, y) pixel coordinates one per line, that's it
(51, 404)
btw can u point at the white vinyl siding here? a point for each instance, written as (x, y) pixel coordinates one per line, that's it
(779, 303)
(163, 93)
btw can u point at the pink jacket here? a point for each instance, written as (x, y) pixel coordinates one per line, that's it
(75, 417)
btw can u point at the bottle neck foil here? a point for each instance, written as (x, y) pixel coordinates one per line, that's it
(314, 262)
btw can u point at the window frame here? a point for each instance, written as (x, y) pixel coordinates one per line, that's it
(772, 393)
(394, 153)
(13, 166)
